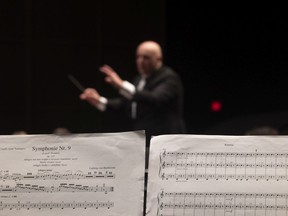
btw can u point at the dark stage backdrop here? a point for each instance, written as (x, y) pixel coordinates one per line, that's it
(236, 58)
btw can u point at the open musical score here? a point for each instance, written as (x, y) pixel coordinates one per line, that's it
(77, 175)
(237, 166)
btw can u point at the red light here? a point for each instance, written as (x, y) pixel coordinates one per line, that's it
(216, 106)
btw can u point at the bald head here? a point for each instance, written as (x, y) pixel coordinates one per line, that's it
(148, 57)
(152, 48)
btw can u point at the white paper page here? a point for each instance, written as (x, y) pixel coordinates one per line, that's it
(75, 175)
(218, 175)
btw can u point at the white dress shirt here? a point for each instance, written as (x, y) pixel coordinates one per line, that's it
(127, 90)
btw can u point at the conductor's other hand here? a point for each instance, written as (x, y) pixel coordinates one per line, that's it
(91, 95)
(111, 76)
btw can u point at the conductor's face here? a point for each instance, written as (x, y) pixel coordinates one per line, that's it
(148, 58)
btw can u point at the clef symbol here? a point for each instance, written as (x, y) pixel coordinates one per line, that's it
(163, 176)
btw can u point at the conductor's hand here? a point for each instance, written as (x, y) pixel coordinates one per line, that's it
(111, 76)
(91, 95)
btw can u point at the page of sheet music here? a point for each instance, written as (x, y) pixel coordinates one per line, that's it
(75, 175)
(200, 175)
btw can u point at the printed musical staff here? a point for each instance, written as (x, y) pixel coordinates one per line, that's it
(237, 166)
(212, 204)
(51, 205)
(63, 187)
(56, 176)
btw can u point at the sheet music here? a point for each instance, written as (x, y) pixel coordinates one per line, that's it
(81, 174)
(218, 176)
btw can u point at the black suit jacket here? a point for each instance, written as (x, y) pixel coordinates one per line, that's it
(159, 104)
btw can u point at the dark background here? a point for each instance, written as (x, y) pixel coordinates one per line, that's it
(236, 57)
